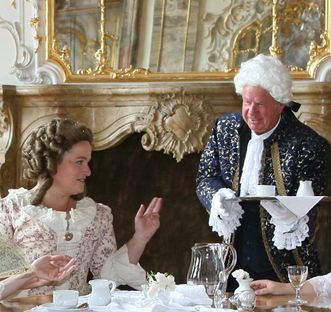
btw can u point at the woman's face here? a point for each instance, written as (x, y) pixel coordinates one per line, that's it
(259, 109)
(73, 169)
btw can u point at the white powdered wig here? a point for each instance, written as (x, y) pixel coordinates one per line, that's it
(267, 72)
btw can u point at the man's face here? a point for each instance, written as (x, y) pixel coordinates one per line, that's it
(259, 109)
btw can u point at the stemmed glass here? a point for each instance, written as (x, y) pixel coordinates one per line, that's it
(297, 275)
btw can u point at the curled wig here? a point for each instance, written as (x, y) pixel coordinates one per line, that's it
(267, 72)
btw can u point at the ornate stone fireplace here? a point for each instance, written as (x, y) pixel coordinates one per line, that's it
(148, 137)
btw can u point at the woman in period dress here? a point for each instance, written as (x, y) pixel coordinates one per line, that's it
(55, 216)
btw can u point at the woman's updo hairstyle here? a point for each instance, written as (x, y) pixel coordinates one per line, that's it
(44, 150)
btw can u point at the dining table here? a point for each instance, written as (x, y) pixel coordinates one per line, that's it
(274, 303)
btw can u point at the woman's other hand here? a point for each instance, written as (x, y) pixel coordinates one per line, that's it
(53, 268)
(267, 287)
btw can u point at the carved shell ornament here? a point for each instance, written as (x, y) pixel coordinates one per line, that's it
(177, 124)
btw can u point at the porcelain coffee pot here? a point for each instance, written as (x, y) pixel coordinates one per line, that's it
(101, 292)
(208, 261)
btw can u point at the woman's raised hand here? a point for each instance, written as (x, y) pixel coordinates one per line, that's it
(147, 221)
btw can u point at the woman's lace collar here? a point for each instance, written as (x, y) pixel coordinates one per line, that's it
(80, 217)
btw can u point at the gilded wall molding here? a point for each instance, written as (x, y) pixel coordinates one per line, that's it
(177, 124)
(282, 28)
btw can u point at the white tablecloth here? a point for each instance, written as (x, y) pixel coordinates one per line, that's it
(184, 298)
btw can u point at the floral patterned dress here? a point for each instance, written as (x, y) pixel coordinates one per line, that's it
(38, 230)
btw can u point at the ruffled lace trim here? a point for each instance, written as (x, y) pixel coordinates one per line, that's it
(225, 214)
(80, 217)
(293, 238)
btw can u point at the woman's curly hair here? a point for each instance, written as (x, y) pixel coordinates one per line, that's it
(44, 150)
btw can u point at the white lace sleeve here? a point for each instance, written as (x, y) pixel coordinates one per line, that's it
(322, 285)
(225, 212)
(119, 269)
(291, 238)
(290, 231)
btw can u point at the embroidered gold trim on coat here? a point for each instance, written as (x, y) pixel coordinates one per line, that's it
(281, 188)
(297, 257)
(277, 169)
(235, 182)
(266, 246)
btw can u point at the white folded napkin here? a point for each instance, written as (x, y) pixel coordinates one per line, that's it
(188, 295)
(300, 206)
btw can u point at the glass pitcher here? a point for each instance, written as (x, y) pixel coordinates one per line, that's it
(208, 262)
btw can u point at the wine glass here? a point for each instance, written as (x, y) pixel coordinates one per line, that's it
(297, 275)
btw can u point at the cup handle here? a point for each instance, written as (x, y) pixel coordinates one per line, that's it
(112, 286)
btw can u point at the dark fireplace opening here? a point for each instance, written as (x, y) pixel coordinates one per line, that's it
(125, 176)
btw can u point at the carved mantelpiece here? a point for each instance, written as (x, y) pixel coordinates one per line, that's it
(175, 118)
(148, 127)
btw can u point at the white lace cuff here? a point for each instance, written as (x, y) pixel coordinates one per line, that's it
(289, 238)
(225, 213)
(119, 269)
(321, 285)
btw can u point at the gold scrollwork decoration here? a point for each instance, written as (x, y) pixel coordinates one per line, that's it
(34, 23)
(318, 53)
(275, 48)
(62, 54)
(177, 124)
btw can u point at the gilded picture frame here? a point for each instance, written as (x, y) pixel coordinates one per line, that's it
(278, 24)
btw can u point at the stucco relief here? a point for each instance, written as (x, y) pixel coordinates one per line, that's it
(29, 65)
(177, 124)
(23, 54)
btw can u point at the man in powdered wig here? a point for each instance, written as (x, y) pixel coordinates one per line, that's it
(264, 144)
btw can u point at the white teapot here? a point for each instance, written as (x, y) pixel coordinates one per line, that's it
(101, 292)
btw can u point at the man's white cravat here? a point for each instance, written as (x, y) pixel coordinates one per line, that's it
(252, 165)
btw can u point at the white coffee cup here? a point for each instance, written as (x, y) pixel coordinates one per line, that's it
(265, 190)
(65, 298)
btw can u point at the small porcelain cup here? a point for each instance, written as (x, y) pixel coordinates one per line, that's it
(265, 190)
(65, 298)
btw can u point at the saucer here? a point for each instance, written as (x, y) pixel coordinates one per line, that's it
(51, 307)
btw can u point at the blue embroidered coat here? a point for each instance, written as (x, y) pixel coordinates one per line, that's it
(300, 154)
